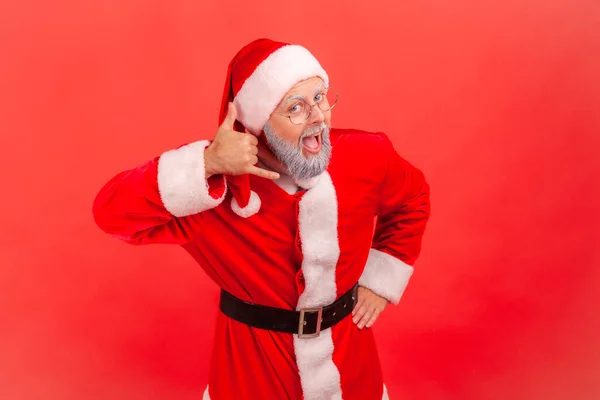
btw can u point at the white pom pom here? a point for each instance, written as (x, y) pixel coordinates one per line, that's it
(251, 208)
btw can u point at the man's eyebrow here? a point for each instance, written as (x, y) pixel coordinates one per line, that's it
(294, 97)
(319, 87)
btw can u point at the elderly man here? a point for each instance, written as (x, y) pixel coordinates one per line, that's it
(279, 209)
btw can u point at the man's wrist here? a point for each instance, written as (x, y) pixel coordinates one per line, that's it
(209, 164)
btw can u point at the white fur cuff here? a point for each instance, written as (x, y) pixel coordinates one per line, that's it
(181, 180)
(385, 275)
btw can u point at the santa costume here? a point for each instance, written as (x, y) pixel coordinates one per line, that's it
(286, 247)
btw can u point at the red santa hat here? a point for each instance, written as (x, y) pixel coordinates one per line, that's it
(258, 77)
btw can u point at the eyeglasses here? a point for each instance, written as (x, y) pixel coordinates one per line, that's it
(299, 111)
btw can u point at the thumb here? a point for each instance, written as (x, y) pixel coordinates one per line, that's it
(231, 116)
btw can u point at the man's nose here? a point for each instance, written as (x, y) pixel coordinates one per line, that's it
(316, 115)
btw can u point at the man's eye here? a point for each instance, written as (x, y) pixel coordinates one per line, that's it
(295, 108)
(319, 97)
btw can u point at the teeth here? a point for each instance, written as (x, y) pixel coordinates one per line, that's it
(315, 134)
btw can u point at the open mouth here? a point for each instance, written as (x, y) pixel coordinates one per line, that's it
(312, 143)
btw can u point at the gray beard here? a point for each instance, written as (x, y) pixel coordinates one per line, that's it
(298, 166)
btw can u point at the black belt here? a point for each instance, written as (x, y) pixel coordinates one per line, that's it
(307, 322)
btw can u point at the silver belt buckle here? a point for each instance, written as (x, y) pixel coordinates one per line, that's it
(302, 322)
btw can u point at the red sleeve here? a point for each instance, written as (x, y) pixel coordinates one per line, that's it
(160, 201)
(403, 213)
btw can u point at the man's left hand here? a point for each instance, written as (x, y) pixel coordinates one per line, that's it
(368, 308)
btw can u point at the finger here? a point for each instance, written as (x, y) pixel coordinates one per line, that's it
(253, 150)
(358, 305)
(373, 318)
(251, 139)
(360, 312)
(365, 318)
(231, 117)
(251, 159)
(263, 173)
(360, 299)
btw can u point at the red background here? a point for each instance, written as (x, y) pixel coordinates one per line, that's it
(497, 102)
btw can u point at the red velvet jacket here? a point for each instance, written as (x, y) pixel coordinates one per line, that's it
(300, 250)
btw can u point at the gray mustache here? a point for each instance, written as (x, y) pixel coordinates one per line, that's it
(313, 129)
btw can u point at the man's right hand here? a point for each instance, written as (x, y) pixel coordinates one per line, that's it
(232, 152)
